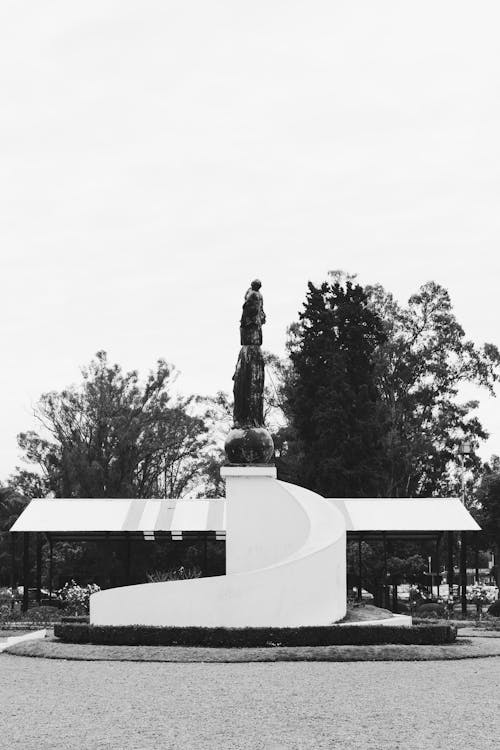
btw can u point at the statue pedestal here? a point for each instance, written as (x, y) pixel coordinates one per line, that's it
(264, 526)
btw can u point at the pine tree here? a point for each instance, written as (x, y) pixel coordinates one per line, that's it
(331, 398)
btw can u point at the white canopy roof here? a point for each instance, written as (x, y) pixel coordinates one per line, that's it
(406, 514)
(91, 515)
(366, 514)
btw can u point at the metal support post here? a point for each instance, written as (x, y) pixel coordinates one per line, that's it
(360, 574)
(438, 561)
(450, 572)
(51, 566)
(128, 560)
(463, 571)
(26, 569)
(476, 555)
(13, 581)
(384, 590)
(38, 568)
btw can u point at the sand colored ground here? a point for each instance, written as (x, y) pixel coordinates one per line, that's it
(144, 706)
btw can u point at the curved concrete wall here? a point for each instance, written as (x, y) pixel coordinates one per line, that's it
(285, 566)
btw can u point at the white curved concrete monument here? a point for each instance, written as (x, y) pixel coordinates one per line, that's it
(285, 563)
(285, 546)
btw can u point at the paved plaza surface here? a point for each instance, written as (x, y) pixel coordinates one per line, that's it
(143, 706)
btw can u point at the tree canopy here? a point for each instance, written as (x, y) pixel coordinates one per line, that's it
(420, 366)
(112, 436)
(330, 393)
(371, 392)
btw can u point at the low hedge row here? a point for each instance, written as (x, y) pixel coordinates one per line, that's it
(332, 635)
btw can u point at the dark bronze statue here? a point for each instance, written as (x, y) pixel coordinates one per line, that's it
(253, 316)
(249, 442)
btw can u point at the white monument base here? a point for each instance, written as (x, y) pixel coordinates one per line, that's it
(285, 563)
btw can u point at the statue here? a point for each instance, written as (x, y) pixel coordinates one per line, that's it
(253, 316)
(249, 442)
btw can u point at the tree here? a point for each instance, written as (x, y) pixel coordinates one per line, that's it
(113, 437)
(11, 506)
(331, 398)
(488, 515)
(420, 366)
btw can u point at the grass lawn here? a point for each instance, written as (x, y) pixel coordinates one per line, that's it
(52, 648)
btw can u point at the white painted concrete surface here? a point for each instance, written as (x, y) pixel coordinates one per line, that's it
(395, 620)
(285, 562)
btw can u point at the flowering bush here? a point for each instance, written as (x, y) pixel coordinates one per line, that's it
(174, 574)
(6, 595)
(481, 594)
(76, 598)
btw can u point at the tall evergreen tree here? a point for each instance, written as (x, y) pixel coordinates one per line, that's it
(330, 394)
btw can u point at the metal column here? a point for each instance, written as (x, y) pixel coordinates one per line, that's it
(26, 569)
(360, 575)
(463, 571)
(51, 566)
(450, 571)
(38, 568)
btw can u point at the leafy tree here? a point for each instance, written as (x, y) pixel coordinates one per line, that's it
(113, 437)
(420, 366)
(331, 399)
(11, 505)
(488, 515)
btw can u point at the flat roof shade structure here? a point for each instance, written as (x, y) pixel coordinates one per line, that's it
(120, 515)
(430, 514)
(93, 516)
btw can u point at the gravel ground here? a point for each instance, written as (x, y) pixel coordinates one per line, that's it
(125, 706)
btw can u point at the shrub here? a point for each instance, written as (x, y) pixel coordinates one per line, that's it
(430, 609)
(494, 609)
(174, 574)
(37, 614)
(75, 598)
(333, 635)
(6, 595)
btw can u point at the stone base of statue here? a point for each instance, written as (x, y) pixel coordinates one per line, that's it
(249, 445)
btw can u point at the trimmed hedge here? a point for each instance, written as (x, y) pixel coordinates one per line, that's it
(332, 635)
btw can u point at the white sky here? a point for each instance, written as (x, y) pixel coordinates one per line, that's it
(156, 156)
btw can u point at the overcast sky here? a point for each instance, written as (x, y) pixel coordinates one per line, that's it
(157, 156)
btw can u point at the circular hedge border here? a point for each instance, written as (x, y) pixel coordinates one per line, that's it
(331, 635)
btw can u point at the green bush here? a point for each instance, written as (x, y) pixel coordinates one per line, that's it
(494, 609)
(333, 635)
(174, 574)
(37, 614)
(430, 609)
